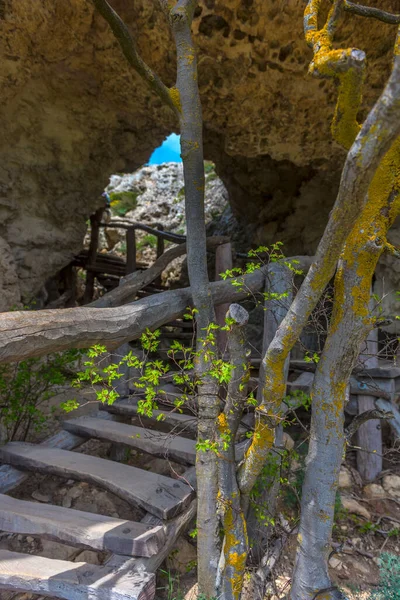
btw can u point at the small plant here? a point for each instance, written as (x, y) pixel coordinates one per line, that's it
(147, 240)
(389, 585)
(26, 385)
(123, 202)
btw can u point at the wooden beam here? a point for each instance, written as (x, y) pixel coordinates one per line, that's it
(10, 477)
(77, 528)
(25, 334)
(72, 580)
(162, 496)
(180, 422)
(160, 444)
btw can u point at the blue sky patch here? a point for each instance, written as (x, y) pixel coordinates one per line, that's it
(169, 151)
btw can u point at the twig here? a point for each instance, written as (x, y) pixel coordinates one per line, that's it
(369, 11)
(129, 49)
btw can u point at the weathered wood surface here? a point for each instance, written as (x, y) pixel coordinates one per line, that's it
(25, 334)
(173, 530)
(10, 477)
(369, 435)
(303, 383)
(162, 496)
(127, 408)
(395, 422)
(77, 528)
(72, 580)
(165, 445)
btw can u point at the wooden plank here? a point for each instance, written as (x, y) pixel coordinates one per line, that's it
(369, 435)
(77, 528)
(395, 422)
(72, 581)
(173, 530)
(165, 445)
(10, 477)
(127, 408)
(162, 496)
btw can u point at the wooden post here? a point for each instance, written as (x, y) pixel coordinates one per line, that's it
(160, 252)
(369, 435)
(95, 221)
(223, 262)
(130, 250)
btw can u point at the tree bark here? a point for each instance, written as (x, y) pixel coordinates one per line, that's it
(376, 136)
(191, 128)
(350, 324)
(235, 547)
(279, 281)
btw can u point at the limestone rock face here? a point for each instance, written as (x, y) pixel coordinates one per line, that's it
(73, 112)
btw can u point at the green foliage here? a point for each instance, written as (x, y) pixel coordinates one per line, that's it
(147, 240)
(123, 202)
(389, 585)
(26, 385)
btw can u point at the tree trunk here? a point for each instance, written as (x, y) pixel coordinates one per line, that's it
(279, 281)
(191, 128)
(350, 324)
(235, 547)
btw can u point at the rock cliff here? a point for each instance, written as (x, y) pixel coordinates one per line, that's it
(73, 112)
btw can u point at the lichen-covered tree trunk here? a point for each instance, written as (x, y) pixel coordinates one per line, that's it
(278, 298)
(184, 100)
(350, 324)
(235, 546)
(191, 124)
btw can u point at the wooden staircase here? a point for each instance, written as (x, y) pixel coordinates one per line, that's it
(138, 549)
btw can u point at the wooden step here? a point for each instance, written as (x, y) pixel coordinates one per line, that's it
(81, 529)
(160, 495)
(128, 408)
(71, 580)
(165, 445)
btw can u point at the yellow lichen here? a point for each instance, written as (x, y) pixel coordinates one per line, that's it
(176, 98)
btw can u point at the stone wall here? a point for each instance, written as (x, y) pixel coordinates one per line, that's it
(73, 112)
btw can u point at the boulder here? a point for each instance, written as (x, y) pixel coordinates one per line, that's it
(391, 485)
(374, 491)
(345, 480)
(355, 507)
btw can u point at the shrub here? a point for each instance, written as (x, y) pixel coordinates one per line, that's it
(26, 385)
(389, 586)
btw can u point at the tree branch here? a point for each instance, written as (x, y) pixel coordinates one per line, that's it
(356, 423)
(128, 46)
(369, 11)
